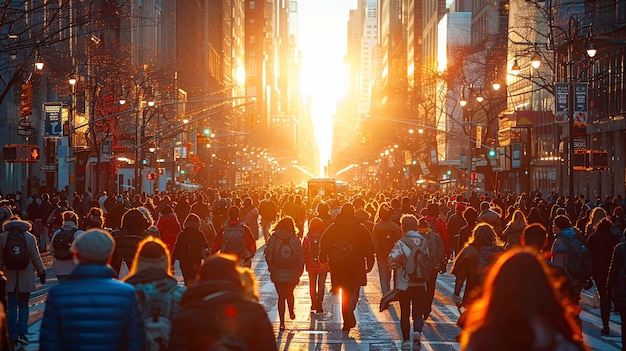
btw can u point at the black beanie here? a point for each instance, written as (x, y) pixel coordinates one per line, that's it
(220, 268)
(192, 221)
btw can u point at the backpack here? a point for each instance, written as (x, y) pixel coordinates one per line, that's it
(579, 265)
(157, 316)
(16, 255)
(62, 243)
(285, 254)
(435, 247)
(342, 254)
(314, 249)
(124, 270)
(234, 242)
(420, 263)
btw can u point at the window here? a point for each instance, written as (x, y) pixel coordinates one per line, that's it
(252, 5)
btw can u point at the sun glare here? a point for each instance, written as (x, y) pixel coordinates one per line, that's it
(323, 41)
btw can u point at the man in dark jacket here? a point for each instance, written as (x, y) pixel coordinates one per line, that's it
(347, 247)
(92, 310)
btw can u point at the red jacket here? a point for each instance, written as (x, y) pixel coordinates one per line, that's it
(169, 227)
(311, 266)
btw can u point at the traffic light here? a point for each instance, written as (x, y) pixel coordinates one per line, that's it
(473, 176)
(151, 176)
(207, 131)
(492, 153)
(33, 153)
(25, 100)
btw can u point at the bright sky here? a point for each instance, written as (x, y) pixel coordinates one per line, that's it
(323, 42)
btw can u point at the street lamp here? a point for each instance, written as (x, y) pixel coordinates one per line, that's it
(70, 143)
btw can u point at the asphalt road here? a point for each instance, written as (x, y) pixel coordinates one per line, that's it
(374, 331)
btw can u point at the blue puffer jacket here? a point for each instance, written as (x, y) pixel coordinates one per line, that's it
(92, 312)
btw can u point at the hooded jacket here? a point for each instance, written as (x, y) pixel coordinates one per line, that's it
(24, 280)
(283, 274)
(348, 228)
(212, 306)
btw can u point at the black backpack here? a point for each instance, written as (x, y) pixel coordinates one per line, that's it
(342, 254)
(16, 255)
(62, 243)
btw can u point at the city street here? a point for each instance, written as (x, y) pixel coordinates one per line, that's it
(374, 331)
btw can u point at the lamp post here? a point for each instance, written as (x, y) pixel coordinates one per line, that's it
(467, 119)
(591, 51)
(71, 160)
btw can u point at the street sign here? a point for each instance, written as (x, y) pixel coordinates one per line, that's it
(25, 132)
(47, 168)
(70, 159)
(52, 112)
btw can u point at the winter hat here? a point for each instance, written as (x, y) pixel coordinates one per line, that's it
(192, 221)
(220, 267)
(94, 246)
(134, 221)
(151, 253)
(233, 213)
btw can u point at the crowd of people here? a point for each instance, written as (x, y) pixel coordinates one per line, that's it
(520, 263)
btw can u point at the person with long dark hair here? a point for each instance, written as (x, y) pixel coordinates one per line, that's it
(520, 309)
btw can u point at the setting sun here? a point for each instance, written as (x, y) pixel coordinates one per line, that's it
(322, 39)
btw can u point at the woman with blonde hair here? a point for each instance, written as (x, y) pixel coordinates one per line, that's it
(520, 309)
(158, 291)
(513, 231)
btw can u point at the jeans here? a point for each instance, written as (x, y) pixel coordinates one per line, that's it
(384, 272)
(412, 304)
(317, 284)
(18, 321)
(605, 302)
(349, 299)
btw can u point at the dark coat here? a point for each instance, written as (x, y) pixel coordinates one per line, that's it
(209, 306)
(126, 244)
(347, 228)
(601, 244)
(190, 249)
(92, 311)
(617, 277)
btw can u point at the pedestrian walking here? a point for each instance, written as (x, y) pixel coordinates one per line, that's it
(317, 273)
(616, 281)
(385, 234)
(157, 290)
(268, 213)
(285, 261)
(191, 248)
(60, 249)
(536, 318)
(19, 259)
(412, 295)
(216, 311)
(472, 263)
(92, 310)
(513, 230)
(168, 226)
(347, 248)
(235, 238)
(601, 243)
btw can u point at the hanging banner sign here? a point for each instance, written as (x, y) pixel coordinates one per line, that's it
(52, 115)
(560, 112)
(581, 105)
